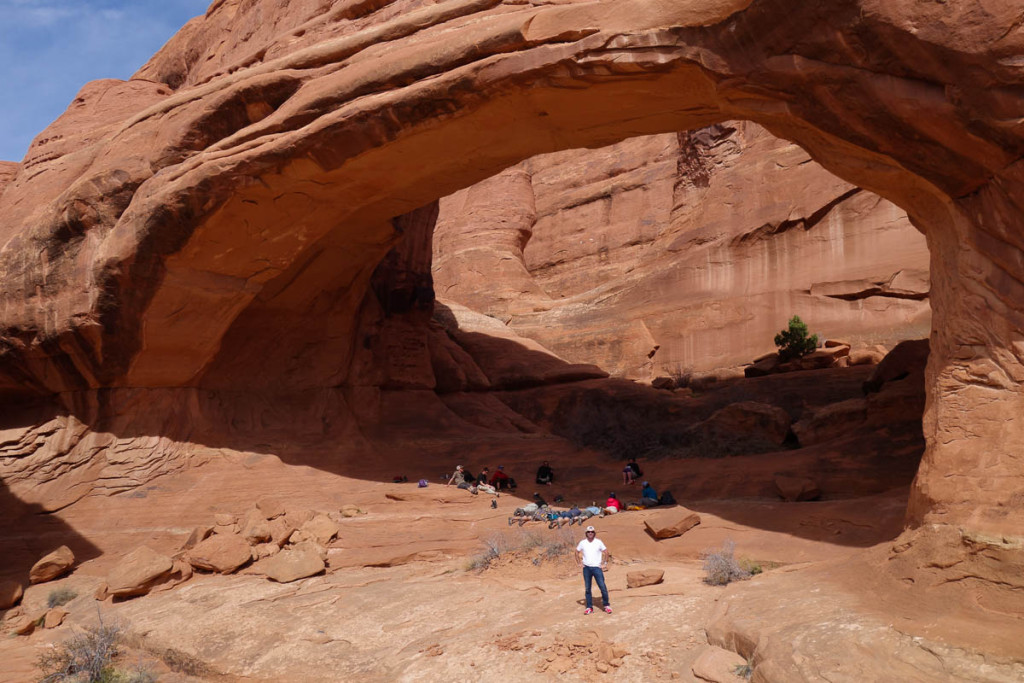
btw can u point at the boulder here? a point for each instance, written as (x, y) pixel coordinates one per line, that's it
(870, 356)
(10, 593)
(200, 533)
(833, 343)
(290, 565)
(54, 617)
(280, 530)
(670, 525)
(717, 665)
(270, 508)
(763, 366)
(795, 489)
(666, 383)
(320, 529)
(23, 625)
(138, 572)
(907, 358)
(256, 530)
(644, 577)
(51, 566)
(263, 550)
(220, 553)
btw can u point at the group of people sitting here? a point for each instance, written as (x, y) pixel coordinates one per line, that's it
(484, 481)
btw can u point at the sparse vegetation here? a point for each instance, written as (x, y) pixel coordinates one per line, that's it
(744, 671)
(60, 596)
(721, 567)
(548, 546)
(183, 663)
(793, 342)
(87, 656)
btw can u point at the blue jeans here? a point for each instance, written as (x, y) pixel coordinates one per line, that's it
(594, 573)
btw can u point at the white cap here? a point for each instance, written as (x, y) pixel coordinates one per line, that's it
(590, 528)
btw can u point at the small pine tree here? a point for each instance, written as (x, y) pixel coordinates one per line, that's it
(794, 343)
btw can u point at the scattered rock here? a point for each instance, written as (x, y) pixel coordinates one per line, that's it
(54, 617)
(349, 511)
(264, 550)
(661, 528)
(199, 534)
(10, 593)
(270, 508)
(23, 625)
(51, 566)
(299, 517)
(280, 530)
(603, 667)
(138, 573)
(644, 577)
(256, 531)
(220, 553)
(321, 529)
(794, 489)
(717, 665)
(290, 565)
(762, 366)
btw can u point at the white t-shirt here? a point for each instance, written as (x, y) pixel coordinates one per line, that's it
(591, 551)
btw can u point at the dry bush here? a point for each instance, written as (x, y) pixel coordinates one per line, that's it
(60, 596)
(721, 567)
(86, 656)
(183, 663)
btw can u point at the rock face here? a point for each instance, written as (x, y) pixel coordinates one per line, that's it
(681, 252)
(246, 224)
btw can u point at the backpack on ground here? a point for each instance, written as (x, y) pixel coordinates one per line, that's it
(667, 499)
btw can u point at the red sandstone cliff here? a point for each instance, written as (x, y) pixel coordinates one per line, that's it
(681, 252)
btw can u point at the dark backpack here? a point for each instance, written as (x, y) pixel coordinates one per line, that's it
(667, 499)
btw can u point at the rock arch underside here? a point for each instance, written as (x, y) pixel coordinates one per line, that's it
(241, 233)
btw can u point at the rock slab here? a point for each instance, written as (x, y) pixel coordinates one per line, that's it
(51, 566)
(661, 528)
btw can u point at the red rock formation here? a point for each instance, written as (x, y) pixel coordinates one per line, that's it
(681, 252)
(163, 226)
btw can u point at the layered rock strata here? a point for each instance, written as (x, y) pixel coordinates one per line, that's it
(681, 252)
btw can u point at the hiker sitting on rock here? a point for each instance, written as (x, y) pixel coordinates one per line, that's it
(648, 496)
(459, 479)
(545, 475)
(612, 505)
(482, 485)
(500, 480)
(631, 471)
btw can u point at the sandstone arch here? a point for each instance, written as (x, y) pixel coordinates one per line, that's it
(164, 220)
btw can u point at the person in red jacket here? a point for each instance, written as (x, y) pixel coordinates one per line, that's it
(612, 505)
(500, 480)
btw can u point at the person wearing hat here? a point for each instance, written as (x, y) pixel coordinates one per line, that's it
(500, 480)
(649, 497)
(593, 556)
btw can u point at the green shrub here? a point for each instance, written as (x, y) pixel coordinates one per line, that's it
(60, 596)
(793, 342)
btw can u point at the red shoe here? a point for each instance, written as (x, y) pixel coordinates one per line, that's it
(589, 610)
(608, 609)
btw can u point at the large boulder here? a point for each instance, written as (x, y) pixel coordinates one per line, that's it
(55, 564)
(907, 359)
(644, 577)
(717, 665)
(139, 572)
(291, 564)
(221, 553)
(670, 525)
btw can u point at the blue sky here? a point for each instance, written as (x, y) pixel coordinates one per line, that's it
(50, 48)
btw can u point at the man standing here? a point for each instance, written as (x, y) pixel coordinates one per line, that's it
(592, 554)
